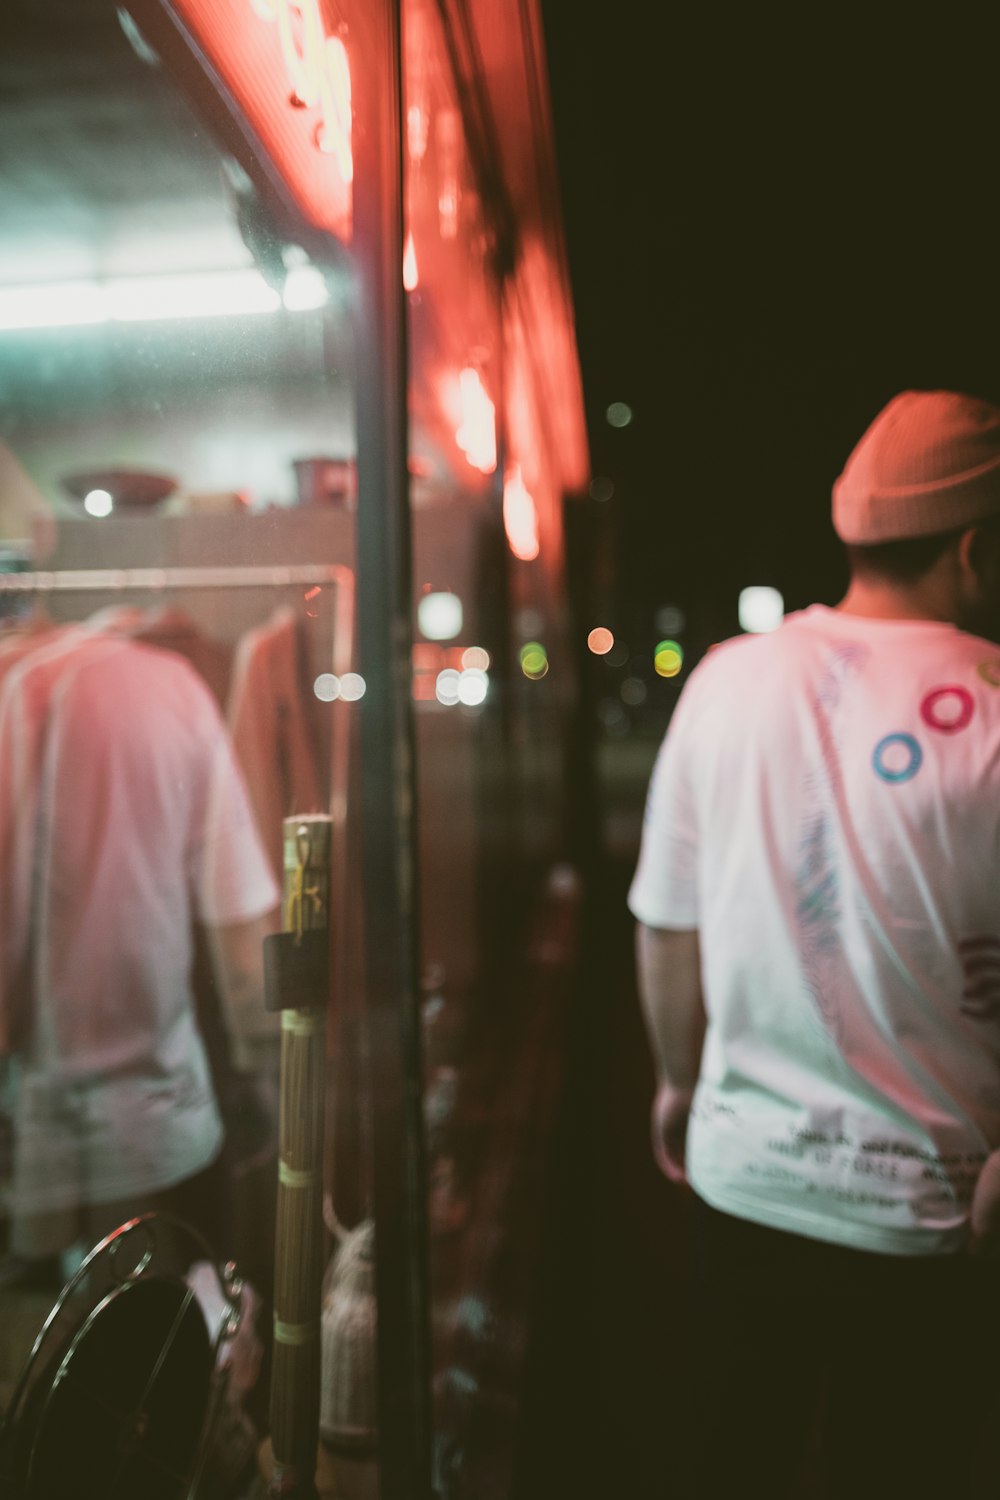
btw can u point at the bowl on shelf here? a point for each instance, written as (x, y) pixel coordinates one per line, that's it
(130, 489)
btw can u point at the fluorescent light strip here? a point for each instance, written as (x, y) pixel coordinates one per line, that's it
(149, 299)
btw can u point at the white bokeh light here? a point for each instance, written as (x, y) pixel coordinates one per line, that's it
(439, 616)
(446, 688)
(761, 608)
(98, 503)
(352, 687)
(327, 687)
(473, 685)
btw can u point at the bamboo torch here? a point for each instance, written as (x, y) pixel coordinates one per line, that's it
(297, 970)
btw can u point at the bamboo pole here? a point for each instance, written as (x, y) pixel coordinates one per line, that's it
(299, 1242)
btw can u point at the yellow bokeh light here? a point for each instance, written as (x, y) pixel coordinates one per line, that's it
(534, 660)
(600, 641)
(668, 659)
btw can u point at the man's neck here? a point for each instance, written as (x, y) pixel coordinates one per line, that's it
(877, 600)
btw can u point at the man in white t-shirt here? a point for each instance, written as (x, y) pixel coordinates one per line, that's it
(123, 822)
(818, 899)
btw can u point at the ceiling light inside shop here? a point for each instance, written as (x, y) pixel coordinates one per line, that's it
(56, 305)
(147, 299)
(143, 299)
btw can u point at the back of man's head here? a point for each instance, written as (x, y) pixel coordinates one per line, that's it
(926, 470)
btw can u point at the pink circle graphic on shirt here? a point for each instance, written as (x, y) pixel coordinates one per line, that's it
(989, 671)
(949, 722)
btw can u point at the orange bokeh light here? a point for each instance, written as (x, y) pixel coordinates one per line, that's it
(600, 641)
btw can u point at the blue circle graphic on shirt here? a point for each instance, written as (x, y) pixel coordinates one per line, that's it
(952, 723)
(900, 773)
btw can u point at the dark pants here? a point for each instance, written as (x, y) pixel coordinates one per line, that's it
(823, 1371)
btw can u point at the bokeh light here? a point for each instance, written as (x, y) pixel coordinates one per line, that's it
(668, 658)
(530, 622)
(633, 691)
(601, 488)
(613, 717)
(760, 609)
(670, 620)
(98, 503)
(475, 658)
(439, 616)
(619, 414)
(327, 687)
(352, 687)
(600, 640)
(534, 660)
(473, 686)
(446, 687)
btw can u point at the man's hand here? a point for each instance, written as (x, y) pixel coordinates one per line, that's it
(669, 975)
(984, 1233)
(671, 1108)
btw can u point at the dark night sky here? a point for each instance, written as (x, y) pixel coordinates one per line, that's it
(770, 233)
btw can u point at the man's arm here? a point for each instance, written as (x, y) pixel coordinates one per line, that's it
(669, 973)
(237, 952)
(984, 1225)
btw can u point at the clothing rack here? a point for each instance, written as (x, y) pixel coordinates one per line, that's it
(109, 580)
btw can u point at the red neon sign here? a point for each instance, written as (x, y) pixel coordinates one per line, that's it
(289, 72)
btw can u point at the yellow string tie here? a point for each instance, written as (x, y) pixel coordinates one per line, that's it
(299, 1022)
(292, 1177)
(294, 1334)
(300, 892)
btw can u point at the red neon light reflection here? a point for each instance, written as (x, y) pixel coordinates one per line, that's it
(411, 274)
(477, 434)
(520, 517)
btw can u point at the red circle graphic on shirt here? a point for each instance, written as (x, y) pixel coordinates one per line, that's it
(952, 724)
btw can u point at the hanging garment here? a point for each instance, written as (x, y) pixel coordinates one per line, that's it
(269, 720)
(173, 629)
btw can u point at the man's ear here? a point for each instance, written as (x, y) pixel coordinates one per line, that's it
(968, 552)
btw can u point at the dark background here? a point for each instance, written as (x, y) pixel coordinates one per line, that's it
(772, 228)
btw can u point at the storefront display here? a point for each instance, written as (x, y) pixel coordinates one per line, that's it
(289, 402)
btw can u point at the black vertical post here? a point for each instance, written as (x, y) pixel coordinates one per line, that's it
(389, 859)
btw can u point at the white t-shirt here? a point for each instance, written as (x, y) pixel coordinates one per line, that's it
(122, 817)
(825, 810)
